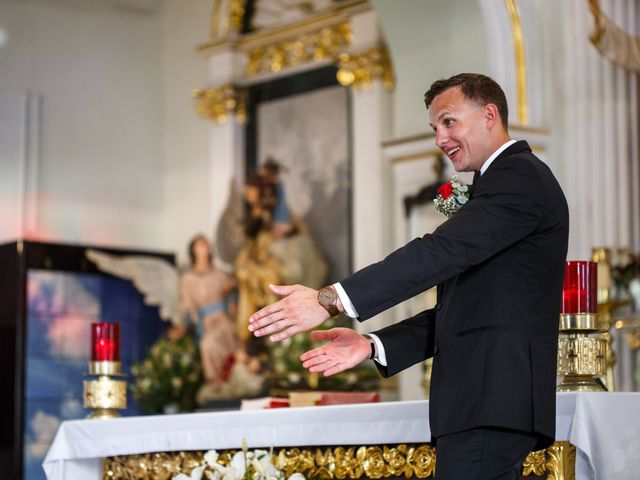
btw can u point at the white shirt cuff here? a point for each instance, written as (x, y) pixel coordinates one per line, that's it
(349, 309)
(381, 357)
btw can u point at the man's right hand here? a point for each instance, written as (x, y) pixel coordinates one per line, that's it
(346, 349)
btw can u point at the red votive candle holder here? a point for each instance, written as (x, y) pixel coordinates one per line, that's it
(105, 342)
(580, 287)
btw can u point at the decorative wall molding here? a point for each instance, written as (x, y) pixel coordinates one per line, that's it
(224, 37)
(227, 18)
(323, 44)
(219, 102)
(519, 61)
(360, 70)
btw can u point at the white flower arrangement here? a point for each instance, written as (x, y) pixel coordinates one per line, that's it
(245, 465)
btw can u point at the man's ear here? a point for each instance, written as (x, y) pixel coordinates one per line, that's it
(491, 115)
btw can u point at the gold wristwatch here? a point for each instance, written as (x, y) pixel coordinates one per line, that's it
(328, 298)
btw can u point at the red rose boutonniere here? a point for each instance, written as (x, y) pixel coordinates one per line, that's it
(451, 196)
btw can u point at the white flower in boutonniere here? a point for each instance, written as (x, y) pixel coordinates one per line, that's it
(451, 196)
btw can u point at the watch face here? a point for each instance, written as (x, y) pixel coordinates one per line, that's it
(327, 296)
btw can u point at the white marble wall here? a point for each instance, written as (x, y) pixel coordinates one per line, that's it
(84, 151)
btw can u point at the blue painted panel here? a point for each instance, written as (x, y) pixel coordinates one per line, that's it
(61, 307)
(128, 341)
(71, 337)
(44, 379)
(72, 375)
(82, 293)
(38, 344)
(41, 420)
(121, 301)
(72, 409)
(45, 292)
(32, 466)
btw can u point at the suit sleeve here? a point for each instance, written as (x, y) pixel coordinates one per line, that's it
(505, 207)
(408, 342)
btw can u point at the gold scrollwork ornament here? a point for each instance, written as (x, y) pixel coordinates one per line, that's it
(315, 46)
(218, 103)
(561, 460)
(558, 462)
(535, 464)
(362, 69)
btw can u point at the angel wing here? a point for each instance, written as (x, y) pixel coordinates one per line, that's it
(155, 278)
(230, 237)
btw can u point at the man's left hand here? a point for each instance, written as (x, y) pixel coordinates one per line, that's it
(297, 312)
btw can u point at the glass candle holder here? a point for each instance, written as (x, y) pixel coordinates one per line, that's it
(105, 342)
(580, 287)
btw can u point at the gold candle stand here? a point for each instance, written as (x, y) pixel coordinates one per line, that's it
(105, 393)
(581, 355)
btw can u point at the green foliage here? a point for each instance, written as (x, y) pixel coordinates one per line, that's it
(170, 375)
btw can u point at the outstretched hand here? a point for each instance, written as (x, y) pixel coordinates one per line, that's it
(297, 312)
(346, 349)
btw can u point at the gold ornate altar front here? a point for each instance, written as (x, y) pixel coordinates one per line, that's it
(404, 460)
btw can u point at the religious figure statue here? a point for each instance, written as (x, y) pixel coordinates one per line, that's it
(278, 247)
(232, 367)
(205, 298)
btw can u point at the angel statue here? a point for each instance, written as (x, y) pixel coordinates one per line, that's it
(200, 298)
(205, 298)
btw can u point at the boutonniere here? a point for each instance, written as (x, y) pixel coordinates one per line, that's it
(451, 196)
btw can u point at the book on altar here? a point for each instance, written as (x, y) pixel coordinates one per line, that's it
(343, 398)
(264, 402)
(308, 399)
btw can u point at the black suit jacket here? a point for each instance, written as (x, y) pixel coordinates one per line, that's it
(498, 263)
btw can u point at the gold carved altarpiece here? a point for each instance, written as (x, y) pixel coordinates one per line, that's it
(405, 460)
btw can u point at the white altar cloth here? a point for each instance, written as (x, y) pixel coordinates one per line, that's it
(605, 428)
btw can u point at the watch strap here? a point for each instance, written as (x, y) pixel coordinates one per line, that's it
(373, 346)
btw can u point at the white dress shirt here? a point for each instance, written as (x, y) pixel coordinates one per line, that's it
(350, 310)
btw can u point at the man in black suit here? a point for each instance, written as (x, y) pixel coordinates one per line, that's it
(498, 263)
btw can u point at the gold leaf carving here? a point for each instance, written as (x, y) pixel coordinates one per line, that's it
(582, 355)
(362, 69)
(535, 464)
(318, 45)
(218, 103)
(561, 461)
(558, 462)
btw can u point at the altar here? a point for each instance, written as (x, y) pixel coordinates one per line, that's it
(597, 437)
